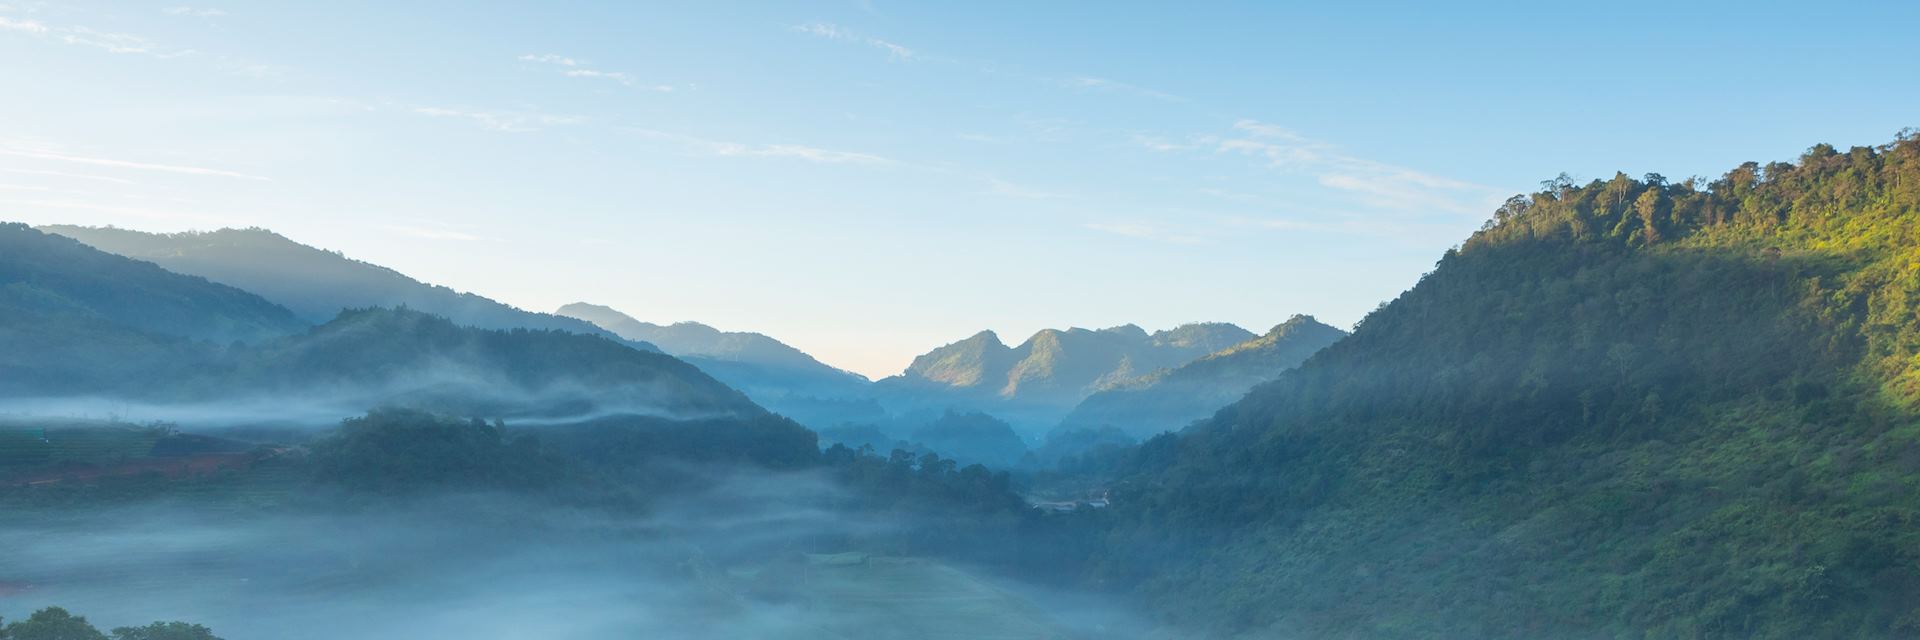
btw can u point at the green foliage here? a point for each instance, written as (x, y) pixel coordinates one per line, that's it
(973, 437)
(165, 631)
(55, 623)
(394, 451)
(1624, 408)
(52, 623)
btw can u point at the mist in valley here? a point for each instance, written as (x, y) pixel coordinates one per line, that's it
(728, 551)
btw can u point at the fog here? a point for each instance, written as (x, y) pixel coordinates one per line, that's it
(729, 561)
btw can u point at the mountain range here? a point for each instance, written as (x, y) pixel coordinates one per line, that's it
(315, 284)
(1036, 383)
(1168, 399)
(1033, 385)
(85, 328)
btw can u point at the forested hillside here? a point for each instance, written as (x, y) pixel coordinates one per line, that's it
(1629, 407)
(61, 280)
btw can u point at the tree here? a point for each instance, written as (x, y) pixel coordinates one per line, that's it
(165, 631)
(1648, 208)
(52, 623)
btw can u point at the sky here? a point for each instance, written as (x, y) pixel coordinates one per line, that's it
(868, 180)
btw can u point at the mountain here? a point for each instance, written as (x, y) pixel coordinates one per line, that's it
(53, 276)
(81, 324)
(315, 284)
(74, 318)
(1036, 383)
(1625, 408)
(695, 339)
(373, 357)
(1169, 399)
(776, 375)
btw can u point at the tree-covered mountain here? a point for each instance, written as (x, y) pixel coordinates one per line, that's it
(55, 277)
(1037, 382)
(314, 283)
(1169, 399)
(1625, 408)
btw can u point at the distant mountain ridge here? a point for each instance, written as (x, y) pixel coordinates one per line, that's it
(1169, 399)
(314, 283)
(696, 339)
(1037, 382)
(82, 324)
(774, 374)
(57, 276)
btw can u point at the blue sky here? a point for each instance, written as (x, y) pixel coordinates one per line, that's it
(868, 180)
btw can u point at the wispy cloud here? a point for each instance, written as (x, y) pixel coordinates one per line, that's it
(25, 26)
(743, 150)
(1115, 86)
(1158, 143)
(576, 68)
(1145, 231)
(127, 164)
(832, 31)
(998, 187)
(197, 12)
(503, 121)
(130, 44)
(1378, 184)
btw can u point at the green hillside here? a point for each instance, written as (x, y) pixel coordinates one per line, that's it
(1626, 408)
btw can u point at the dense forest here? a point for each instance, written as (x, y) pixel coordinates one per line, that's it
(1626, 407)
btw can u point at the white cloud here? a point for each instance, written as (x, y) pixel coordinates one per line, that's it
(1379, 185)
(1103, 84)
(197, 12)
(1157, 143)
(123, 43)
(125, 164)
(832, 31)
(742, 150)
(550, 58)
(504, 121)
(575, 68)
(28, 26)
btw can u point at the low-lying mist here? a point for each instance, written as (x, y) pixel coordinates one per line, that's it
(743, 552)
